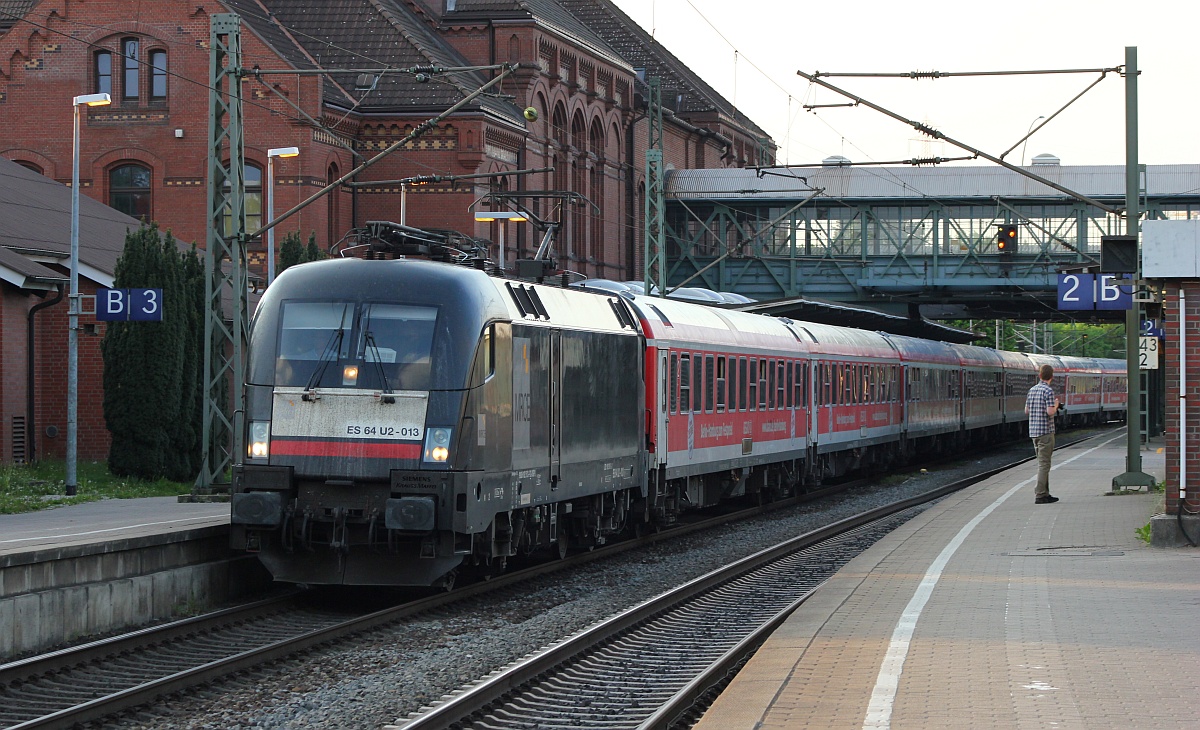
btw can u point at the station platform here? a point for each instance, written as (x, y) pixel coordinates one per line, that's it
(106, 521)
(988, 611)
(88, 569)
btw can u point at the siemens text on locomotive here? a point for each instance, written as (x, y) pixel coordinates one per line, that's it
(407, 420)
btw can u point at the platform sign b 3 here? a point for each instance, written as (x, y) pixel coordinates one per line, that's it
(129, 305)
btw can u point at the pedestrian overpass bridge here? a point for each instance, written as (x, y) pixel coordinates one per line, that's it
(906, 239)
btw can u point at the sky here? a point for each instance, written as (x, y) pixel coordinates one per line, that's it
(750, 51)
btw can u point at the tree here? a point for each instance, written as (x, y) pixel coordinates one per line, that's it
(152, 370)
(292, 251)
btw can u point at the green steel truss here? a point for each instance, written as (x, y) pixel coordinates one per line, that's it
(896, 252)
(224, 257)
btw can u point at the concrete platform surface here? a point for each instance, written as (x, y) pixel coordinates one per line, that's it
(106, 520)
(988, 611)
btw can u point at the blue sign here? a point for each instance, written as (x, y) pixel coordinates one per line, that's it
(129, 305)
(1089, 291)
(1151, 328)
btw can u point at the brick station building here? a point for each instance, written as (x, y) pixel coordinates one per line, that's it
(146, 154)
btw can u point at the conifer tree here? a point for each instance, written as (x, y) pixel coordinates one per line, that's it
(291, 251)
(147, 400)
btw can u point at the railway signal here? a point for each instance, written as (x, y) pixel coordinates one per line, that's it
(1006, 240)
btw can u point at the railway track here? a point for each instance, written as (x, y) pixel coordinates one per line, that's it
(651, 666)
(103, 678)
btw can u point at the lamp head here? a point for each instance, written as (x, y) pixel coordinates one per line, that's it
(488, 216)
(284, 152)
(93, 100)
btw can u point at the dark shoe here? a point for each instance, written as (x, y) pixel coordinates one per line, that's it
(1045, 500)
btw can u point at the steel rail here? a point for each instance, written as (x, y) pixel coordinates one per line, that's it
(483, 694)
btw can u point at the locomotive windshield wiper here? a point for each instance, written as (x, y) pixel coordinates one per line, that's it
(332, 347)
(387, 388)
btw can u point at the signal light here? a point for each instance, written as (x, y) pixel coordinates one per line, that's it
(1006, 239)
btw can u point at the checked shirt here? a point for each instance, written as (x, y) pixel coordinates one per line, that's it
(1041, 397)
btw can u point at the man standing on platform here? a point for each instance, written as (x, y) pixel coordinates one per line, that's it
(1041, 405)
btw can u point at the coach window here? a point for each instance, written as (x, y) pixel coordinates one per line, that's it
(770, 387)
(698, 383)
(131, 66)
(754, 384)
(158, 75)
(709, 382)
(104, 70)
(763, 393)
(742, 384)
(791, 383)
(129, 190)
(674, 385)
(731, 384)
(721, 384)
(685, 382)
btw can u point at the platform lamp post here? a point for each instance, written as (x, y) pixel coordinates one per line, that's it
(73, 308)
(503, 216)
(271, 155)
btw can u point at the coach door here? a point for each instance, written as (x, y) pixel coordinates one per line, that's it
(556, 399)
(660, 419)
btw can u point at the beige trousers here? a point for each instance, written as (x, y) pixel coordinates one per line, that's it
(1043, 446)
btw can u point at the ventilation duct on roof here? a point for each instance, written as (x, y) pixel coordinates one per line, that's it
(1045, 159)
(835, 161)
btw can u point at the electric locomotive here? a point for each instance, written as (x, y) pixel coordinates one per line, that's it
(408, 419)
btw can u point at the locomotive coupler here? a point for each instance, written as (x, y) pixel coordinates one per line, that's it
(337, 540)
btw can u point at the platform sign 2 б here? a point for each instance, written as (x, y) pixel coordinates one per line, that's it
(129, 305)
(1089, 291)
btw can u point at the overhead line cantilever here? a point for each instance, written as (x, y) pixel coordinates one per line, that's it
(961, 145)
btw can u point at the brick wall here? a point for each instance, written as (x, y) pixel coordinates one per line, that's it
(1190, 430)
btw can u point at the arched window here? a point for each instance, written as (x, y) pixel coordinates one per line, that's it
(103, 70)
(253, 185)
(131, 66)
(158, 75)
(129, 190)
(30, 166)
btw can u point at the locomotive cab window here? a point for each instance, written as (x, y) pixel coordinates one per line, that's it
(379, 346)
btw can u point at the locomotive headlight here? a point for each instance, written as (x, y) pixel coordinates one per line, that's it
(437, 445)
(350, 375)
(260, 440)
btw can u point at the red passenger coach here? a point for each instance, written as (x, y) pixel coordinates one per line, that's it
(730, 391)
(982, 387)
(1083, 385)
(1113, 389)
(857, 396)
(932, 388)
(1020, 374)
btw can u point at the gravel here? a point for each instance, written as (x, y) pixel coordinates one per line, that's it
(380, 678)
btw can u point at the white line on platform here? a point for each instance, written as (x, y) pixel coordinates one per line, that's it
(879, 711)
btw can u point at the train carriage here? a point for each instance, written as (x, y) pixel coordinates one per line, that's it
(982, 386)
(730, 394)
(1083, 389)
(932, 388)
(1113, 388)
(1020, 374)
(858, 415)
